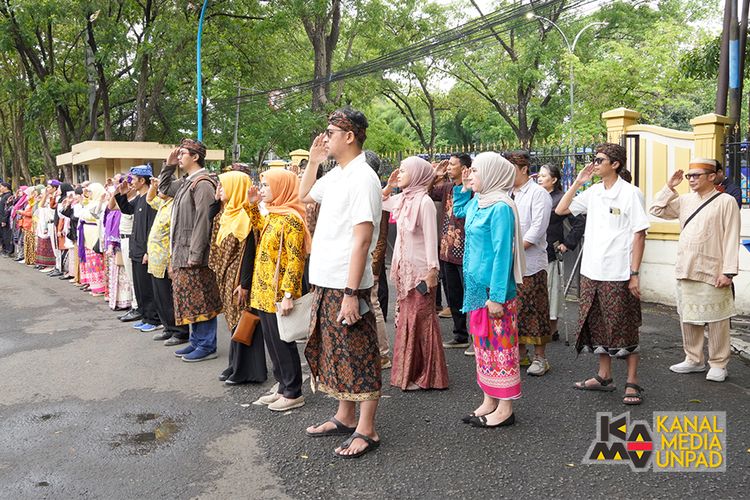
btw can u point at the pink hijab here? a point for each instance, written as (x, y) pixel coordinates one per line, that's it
(21, 201)
(420, 176)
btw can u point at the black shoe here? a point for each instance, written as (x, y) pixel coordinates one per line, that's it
(456, 344)
(161, 336)
(55, 274)
(131, 315)
(172, 341)
(65, 277)
(556, 335)
(482, 422)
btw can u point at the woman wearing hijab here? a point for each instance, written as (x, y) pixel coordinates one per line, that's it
(93, 270)
(418, 358)
(232, 259)
(274, 283)
(493, 266)
(119, 285)
(27, 225)
(16, 218)
(45, 252)
(59, 222)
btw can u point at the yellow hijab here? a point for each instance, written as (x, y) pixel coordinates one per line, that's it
(234, 220)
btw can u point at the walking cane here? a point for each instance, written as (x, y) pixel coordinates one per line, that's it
(567, 287)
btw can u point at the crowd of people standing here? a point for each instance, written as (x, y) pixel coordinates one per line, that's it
(175, 251)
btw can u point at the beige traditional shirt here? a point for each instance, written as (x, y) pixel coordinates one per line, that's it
(709, 245)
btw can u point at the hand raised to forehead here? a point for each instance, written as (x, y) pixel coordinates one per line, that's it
(676, 179)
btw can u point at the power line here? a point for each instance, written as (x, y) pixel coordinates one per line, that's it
(474, 32)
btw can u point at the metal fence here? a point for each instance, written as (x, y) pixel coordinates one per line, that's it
(569, 159)
(737, 166)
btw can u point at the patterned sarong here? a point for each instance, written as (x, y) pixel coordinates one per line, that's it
(498, 371)
(343, 360)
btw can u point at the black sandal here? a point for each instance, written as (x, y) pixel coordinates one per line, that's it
(638, 395)
(604, 385)
(372, 445)
(340, 430)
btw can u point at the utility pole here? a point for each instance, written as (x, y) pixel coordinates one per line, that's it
(733, 95)
(235, 145)
(723, 79)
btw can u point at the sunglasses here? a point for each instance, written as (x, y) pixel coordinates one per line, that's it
(695, 176)
(330, 131)
(598, 160)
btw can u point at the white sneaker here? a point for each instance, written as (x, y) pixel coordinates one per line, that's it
(688, 367)
(284, 404)
(470, 350)
(538, 367)
(269, 398)
(716, 374)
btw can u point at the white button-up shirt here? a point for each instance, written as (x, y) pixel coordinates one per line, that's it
(347, 196)
(614, 215)
(534, 209)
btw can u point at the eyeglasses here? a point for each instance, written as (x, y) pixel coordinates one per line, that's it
(695, 176)
(330, 131)
(598, 160)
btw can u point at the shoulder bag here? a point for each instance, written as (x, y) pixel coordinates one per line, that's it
(295, 325)
(245, 329)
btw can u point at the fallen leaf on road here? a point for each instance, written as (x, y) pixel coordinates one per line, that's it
(304, 456)
(695, 401)
(245, 405)
(570, 465)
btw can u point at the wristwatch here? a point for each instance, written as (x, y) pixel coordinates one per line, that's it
(287, 295)
(348, 291)
(634, 273)
(729, 275)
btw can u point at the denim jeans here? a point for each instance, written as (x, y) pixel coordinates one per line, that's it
(203, 335)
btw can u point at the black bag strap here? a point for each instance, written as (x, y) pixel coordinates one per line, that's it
(701, 208)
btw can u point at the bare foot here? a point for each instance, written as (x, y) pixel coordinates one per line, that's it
(484, 409)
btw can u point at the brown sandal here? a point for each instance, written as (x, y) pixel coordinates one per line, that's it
(605, 385)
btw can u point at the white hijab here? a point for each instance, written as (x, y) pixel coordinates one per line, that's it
(496, 177)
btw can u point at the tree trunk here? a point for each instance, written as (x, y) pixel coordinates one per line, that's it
(323, 32)
(50, 165)
(141, 108)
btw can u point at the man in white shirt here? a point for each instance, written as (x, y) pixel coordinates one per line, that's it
(342, 350)
(534, 209)
(615, 236)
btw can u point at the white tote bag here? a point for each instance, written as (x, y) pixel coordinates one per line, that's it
(295, 325)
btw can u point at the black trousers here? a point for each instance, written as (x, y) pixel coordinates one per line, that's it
(453, 279)
(165, 307)
(287, 369)
(144, 292)
(6, 238)
(383, 292)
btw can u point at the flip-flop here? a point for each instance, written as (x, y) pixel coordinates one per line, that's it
(372, 445)
(340, 430)
(604, 385)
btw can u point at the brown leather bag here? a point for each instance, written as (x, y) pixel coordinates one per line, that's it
(245, 329)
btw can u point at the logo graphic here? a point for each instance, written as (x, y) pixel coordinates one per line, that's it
(676, 442)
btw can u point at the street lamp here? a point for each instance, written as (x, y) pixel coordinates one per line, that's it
(571, 49)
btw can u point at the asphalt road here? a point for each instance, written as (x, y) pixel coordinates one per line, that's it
(89, 408)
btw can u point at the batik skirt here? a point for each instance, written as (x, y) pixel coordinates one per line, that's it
(45, 254)
(496, 353)
(418, 355)
(344, 360)
(609, 318)
(119, 285)
(94, 272)
(29, 248)
(533, 310)
(196, 295)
